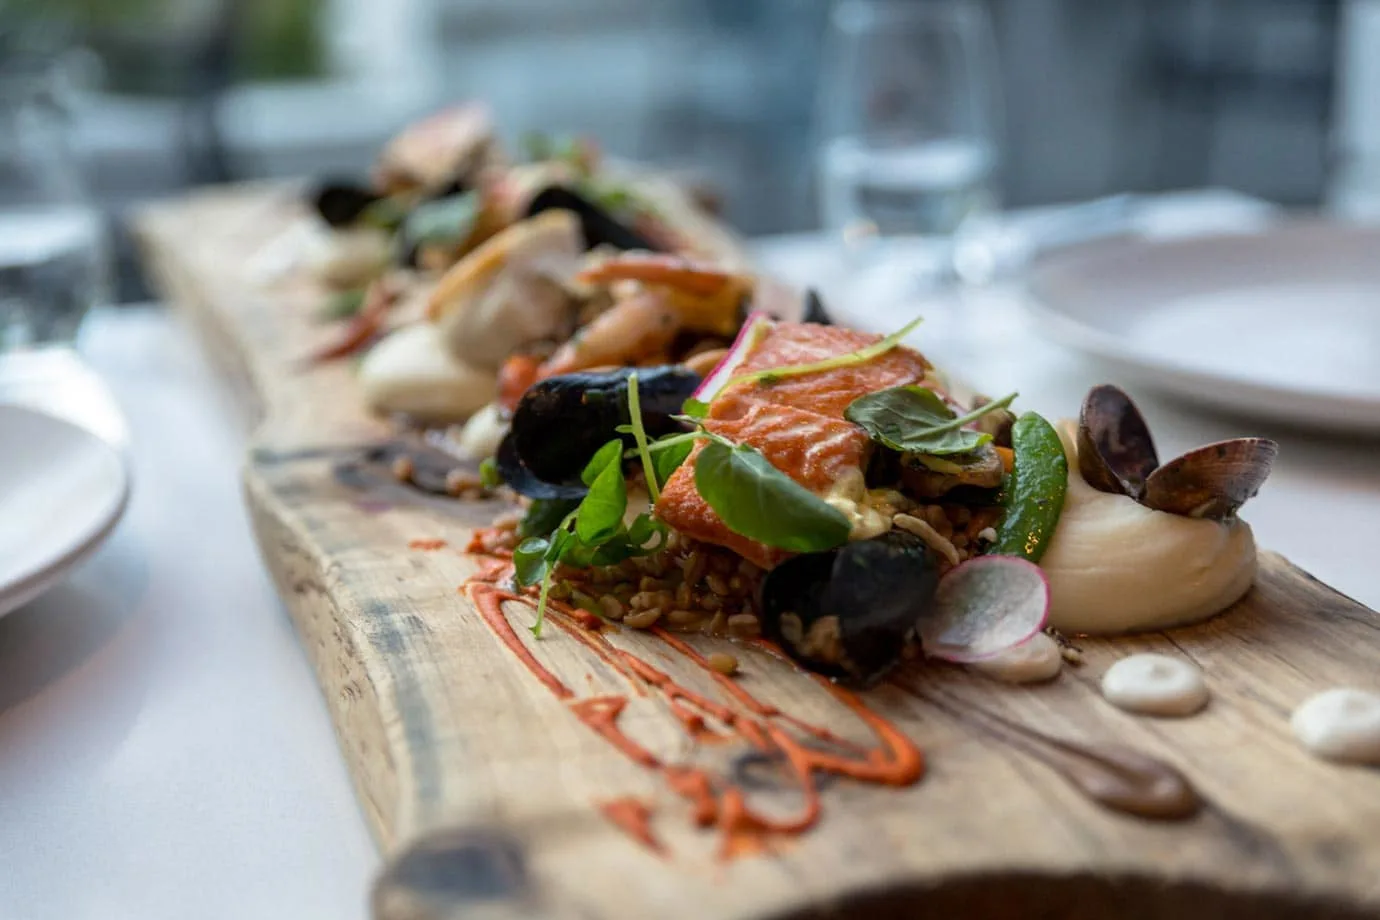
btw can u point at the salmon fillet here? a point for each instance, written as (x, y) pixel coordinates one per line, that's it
(814, 450)
(826, 392)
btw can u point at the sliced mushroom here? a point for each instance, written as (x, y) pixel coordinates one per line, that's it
(1115, 450)
(930, 477)
(1212, 481)
(509, 292)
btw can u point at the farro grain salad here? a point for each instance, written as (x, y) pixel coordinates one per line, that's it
(827, 489)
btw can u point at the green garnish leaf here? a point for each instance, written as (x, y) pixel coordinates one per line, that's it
(529, 560)
(640, 436)
(489, 476)
(758, 501)
(341, 305)
(668, 460)
(861, 356)
(545, 515)
(385, 213)
(694, 408)
(600, 515)
(443, 222)
(611, 454)
(916, 420)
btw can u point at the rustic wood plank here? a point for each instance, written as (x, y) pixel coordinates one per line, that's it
(482, 789)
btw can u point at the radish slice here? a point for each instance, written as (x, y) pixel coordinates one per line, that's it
(985, 606)
(754, 328)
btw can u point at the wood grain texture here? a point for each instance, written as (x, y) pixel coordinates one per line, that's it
(482, 789)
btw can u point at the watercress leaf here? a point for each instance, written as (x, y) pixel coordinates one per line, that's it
(693, 408)
(545, 515)
(668, 460)
(341, 305)
(643, 528)
(529, 560)
(758, 501)
(916, 420)
(610, 454)
(489, 477)
(601, 511)
(444, 221)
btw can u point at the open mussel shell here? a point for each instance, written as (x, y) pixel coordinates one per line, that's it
(600, 228)
(340, 203)
(850, 612)
(560, 422)
(1212, 481)
(1115, 450)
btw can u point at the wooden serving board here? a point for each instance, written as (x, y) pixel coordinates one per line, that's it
(487, 795)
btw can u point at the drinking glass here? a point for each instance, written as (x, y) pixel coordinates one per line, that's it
(52, 252)
(908, 127)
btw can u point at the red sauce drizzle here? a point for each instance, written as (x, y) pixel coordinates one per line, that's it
(893, 760)
(634, 818)
(427, 545)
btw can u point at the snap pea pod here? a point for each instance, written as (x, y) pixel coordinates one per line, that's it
(1034, 495)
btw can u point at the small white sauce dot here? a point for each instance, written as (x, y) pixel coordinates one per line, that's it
(1341, 724)
(1156, 685)
(1034, 660)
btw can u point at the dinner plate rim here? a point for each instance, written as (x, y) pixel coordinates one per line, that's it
(29, 585)
(1300, 405)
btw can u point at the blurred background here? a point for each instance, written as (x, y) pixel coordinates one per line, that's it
(1279, 99)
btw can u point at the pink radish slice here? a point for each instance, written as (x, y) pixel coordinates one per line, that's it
(755, 326)
(983, 607)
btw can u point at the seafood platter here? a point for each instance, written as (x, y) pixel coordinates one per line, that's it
(637, 588)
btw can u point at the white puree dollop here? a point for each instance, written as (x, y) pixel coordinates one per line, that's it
(1035, 660)
(1340, 724)
(1115, 566)
(1156, 685)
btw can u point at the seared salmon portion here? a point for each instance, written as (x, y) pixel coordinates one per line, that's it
(825, 392)
(814, 450)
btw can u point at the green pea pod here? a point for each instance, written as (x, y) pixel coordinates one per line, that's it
(1034, 495)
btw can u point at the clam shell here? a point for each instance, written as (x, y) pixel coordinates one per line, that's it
(1116, 453)
(1212, 481)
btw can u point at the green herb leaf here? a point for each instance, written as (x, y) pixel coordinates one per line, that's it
(758, 501)
(489, 476)
(611, 454)
(668, 460)
(545, 515)
(529, 560)
(385, 213)
(861, 356)
(600, 515)
(694, 408)
(444, 222)
(640, 436)
(916, 420)
(341, 305)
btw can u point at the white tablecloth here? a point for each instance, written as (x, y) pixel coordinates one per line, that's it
(164, 751)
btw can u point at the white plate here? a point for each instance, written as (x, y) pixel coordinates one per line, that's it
(1283, 324)
(62, 489)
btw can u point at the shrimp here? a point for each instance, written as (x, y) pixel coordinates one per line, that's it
(633, 328)
(706, 298)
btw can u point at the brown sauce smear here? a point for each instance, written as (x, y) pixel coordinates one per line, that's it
(1112, 775)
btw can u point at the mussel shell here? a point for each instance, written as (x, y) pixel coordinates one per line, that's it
(340, 202)
(560, 422)
(1116, 453)
(814, 309)
(864, 599)
(523, 481)
(1212, 481)
(600, 228)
